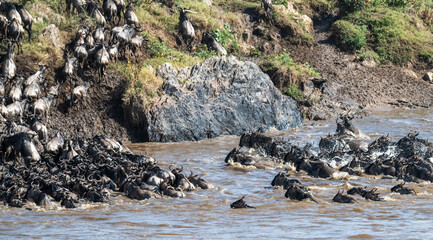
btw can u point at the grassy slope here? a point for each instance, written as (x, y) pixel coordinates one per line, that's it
(388, 33)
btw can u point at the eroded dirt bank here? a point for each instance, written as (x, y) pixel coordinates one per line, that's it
(369, 85)
(352, 86)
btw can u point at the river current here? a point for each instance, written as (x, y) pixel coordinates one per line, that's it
(206, 214)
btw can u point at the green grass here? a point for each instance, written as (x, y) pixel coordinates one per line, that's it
(284, 63)
(292, 28)
(391, 33)
(237, 5)
(295, 93)
(348, 36)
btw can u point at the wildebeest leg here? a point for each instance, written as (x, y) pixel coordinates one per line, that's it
(29, 31)
(71, 91)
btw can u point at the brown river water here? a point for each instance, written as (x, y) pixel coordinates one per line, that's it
(205, 214)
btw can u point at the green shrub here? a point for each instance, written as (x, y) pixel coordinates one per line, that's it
(160, 49)
(397, 3)
(370, 55)
(349, 6)
(350, 37)
(295, 93)
(204, 52)
(426, 57)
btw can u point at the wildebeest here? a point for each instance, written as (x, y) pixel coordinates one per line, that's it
(283, 180)
(213, 44)
(8, 65)
(27, 20)
(16, 33)
(55, 144)
(169, 191)
(102, 59)
(120, 4)
(15, 93)
(99, 35)
(37, 77)
(42, 106)
(81, 54)
(40, 129)
(32, 92)
(185, 27)
(110, 10)
(181, 182)
(130, 17)
(199, 182)
(3, 25)
(79, 92)
(240, 203)
(12, 13)
(2, 89)
(399, 188)
(342, 198)
(298, 193)
(267, 4)
(21, 145)
(15, 109)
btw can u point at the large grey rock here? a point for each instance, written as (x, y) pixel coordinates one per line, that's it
(218, 97)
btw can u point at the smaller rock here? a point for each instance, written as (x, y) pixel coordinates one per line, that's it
(166, 70)
(428, 77)
(369, 63)
(308, 87)
(52, 34)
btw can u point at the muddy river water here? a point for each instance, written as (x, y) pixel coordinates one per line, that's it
(205, 214)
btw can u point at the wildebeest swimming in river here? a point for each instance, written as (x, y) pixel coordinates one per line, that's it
(299, 193)
(367, 194)
(240, 203)
(342, 198)
(282, 179)
(199, 182)
(403, 190)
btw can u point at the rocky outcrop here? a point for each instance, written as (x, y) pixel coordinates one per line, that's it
(221, 96)
(52, 34)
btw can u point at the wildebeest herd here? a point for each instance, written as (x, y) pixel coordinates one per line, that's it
(37, 168)
(407, 159)
(40, 168)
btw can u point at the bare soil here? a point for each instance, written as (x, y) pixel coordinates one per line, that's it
(370, 86)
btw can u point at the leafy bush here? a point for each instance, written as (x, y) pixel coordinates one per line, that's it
(226, 38)
(397, 3)
(160, 49)
(350, 37)
(349, 6)
(204, 52)
(295, 93)
(394, 35)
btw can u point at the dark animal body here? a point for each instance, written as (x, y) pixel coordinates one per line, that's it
(240, 204)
